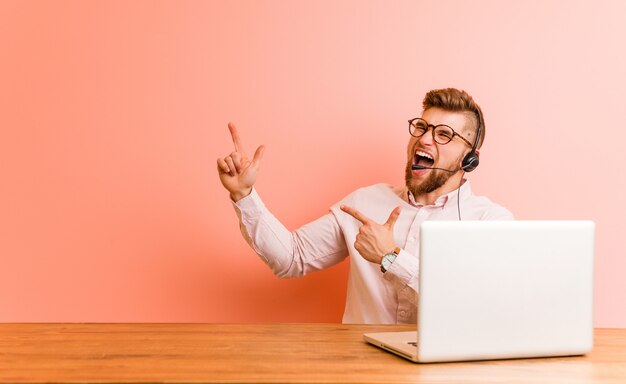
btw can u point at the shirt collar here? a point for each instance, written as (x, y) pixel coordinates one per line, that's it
(463, 192)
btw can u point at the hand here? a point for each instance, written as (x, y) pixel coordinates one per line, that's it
(374, 240)
(237, 173)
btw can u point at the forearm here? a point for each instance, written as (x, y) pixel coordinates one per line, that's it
(403, 274)
(314, 246)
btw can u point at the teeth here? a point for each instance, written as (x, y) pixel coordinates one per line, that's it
(423, 154)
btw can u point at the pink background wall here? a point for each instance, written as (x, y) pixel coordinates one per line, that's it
(112, 115)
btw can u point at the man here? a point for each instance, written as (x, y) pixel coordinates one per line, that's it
(382, 286)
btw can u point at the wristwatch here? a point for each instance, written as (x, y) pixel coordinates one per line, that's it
(387, 259)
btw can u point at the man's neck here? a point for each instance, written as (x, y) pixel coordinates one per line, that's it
(431, 197)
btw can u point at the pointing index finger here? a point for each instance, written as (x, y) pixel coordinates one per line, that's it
(354, 213)
(236, 139)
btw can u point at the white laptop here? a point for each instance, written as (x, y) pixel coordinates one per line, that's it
(500, 290)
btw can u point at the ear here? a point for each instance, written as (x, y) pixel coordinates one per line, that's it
(477, 152)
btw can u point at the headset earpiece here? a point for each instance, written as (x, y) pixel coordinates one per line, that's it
(470, 161)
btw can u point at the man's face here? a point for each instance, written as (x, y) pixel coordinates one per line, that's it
(425, 151)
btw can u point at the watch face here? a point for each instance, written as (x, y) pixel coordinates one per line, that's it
(386, 262)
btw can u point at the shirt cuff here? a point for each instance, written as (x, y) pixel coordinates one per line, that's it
(403, 269)
(252, 204)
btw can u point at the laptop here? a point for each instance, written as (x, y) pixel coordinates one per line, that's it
(500, 290)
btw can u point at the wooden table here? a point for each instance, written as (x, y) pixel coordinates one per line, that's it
(185, 353)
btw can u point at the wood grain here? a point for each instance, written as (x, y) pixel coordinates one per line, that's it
(263, 353)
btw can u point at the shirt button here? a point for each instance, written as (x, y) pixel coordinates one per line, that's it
(403, 313)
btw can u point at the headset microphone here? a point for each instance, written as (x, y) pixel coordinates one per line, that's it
(417, 167)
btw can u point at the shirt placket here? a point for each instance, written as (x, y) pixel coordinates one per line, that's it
(407, 311)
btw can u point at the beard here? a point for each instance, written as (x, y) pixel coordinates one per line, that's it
(436, 178)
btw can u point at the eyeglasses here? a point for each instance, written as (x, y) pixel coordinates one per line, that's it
(442, 134)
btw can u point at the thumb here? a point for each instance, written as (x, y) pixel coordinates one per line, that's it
(256, 160)
(391, 221)
(258, 155)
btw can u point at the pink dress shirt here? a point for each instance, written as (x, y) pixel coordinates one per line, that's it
(372, 297)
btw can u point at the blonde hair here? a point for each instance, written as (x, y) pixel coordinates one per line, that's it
(455, 100)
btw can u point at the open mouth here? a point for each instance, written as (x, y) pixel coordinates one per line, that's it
(423, 159)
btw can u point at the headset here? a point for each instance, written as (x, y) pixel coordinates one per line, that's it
(471, 160)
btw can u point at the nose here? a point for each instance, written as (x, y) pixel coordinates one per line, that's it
(427, 138)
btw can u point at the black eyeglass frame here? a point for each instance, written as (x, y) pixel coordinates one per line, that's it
(454, 133)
